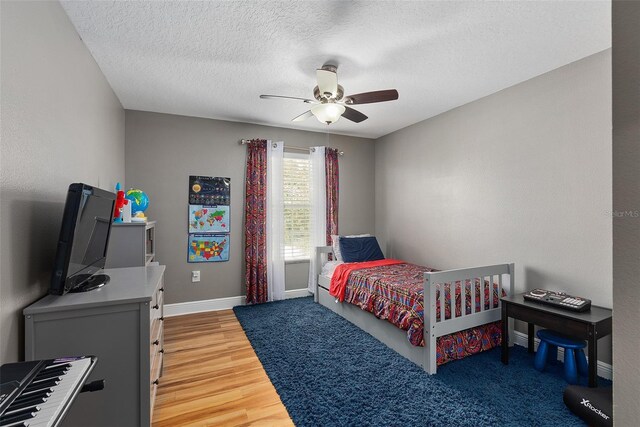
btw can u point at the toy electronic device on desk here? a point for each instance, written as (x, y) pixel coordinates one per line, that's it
(558, 300)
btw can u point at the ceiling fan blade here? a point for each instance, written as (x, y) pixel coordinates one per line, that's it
(303, 116)
(308, 101)
(371, 97)
(327, 82)
(354, 115)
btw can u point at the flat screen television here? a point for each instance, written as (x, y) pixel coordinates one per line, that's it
(83, 242)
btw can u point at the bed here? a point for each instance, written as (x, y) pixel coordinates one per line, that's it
(422, 331)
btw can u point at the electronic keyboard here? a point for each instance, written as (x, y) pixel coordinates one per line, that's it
(39, 393)
(558, 300)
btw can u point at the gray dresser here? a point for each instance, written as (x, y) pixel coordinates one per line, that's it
(122, 324)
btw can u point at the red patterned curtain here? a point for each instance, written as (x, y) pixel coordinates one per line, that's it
(332, 175)
(255, 250)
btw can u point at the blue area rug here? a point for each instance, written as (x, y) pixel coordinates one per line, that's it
(329, 372)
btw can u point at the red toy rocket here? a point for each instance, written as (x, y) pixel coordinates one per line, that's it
(120, 202)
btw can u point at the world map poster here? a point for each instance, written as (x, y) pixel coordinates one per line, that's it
(208, 248)
(209, 219)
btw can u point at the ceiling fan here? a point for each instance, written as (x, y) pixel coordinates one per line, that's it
(330, 103)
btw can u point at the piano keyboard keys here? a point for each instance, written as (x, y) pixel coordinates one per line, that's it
(56, 366)
(43, 384)
(18, 424)
(46, 392)
(42, 376)
(45, 400)
(27, 403)
(16, 416)
(56, 405)
(22, 399)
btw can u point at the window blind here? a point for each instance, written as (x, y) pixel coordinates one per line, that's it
(297, 206)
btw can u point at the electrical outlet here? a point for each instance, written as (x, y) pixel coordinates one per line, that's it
(195, 276)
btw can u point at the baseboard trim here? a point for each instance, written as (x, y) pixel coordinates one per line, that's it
(604, 369)
(217, 304)
(297, 293)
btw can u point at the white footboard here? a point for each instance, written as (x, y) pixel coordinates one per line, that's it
(434, 328)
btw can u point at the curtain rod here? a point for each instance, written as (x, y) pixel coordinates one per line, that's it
(291, 147)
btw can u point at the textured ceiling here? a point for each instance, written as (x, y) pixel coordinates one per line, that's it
(213, 59)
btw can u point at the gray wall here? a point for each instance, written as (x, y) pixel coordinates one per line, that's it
(523, 175)
(626, 204)
(61, 123)
(162, 150)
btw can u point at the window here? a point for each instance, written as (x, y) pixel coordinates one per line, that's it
(297, 206)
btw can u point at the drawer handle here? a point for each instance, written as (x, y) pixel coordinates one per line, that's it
(156, 382)
(156, 342)
(162, 319)
(161, 289)
(161, 351)
(156, 306)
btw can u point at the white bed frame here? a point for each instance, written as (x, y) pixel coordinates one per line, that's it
(396, 338)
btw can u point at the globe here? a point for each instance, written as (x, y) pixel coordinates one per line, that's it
(138, 199)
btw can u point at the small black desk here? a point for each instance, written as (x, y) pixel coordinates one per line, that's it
(590, 325)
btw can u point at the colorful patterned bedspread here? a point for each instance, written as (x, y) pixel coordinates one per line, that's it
(395, 293)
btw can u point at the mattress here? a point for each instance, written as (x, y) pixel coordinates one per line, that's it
(329, 268)
(395, 293)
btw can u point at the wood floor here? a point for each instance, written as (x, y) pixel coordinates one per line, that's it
(212, 376)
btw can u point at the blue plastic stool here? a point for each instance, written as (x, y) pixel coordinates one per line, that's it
(573, 351)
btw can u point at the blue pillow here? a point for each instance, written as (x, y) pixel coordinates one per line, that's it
(360, 249)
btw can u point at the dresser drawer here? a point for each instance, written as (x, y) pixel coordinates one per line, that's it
(156, 327)
(155, 315)
(156, 368)
(157, 301)
(157, 342)
(156, 365)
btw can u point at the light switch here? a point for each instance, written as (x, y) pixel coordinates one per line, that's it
(195, 276)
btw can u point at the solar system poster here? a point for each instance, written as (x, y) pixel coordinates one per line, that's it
(209, 219)
(209, 190)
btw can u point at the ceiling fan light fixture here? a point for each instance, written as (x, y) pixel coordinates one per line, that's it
(330, 103)
(328, 113)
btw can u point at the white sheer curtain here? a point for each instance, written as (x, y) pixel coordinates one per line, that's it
(318, 211)
(275, 221)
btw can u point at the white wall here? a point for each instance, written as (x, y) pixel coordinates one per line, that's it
(626, 202)
(523, 175)
(61, 123)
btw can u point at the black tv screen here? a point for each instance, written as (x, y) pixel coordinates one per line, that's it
(84, 239)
